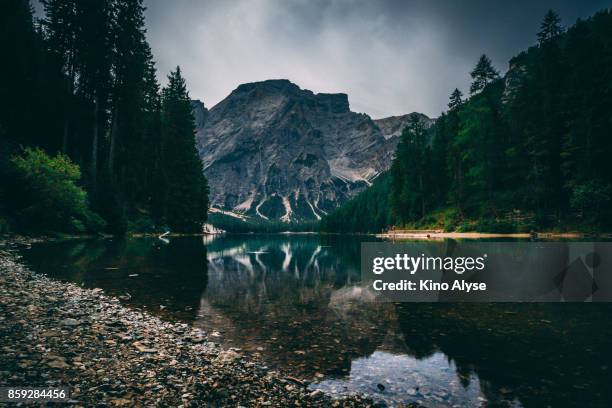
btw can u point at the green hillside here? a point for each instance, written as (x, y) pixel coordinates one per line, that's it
(530, 150)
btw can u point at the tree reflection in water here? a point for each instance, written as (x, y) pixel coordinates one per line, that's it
(296, 301)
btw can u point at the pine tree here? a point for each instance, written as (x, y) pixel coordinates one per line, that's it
(454, 160)
(129, 67)
(455, 99)
(127, 135)
(150, 188)
(78, 36)
(410, 190)
(483, 74)
(546, 123)
(543, 154)
(186, 196)
(587, 147)
(61, 30)
(551, 27)
(84, 82)
(439, 159)
(367, 212)
(93, 59)
(17, 44)
(480, 143)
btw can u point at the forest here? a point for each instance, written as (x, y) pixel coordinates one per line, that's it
(89, 142)
(527, 151)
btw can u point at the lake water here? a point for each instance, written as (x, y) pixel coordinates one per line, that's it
(296, 302)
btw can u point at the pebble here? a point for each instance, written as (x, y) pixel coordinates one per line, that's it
(109, 355)
(69, 322)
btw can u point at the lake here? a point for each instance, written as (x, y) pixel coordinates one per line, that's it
(295, 301)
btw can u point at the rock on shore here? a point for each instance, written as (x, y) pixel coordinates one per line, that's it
(54, 333)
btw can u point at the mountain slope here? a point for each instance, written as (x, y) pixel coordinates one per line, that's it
(367, 212)
(529, 151)
(274, 151)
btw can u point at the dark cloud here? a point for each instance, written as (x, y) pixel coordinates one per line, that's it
(391, 57)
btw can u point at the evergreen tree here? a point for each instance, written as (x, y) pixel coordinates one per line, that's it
(368, 212)
(61, 29)
(550, 28)
(455, 190)
(531, 152)
(455, 99)
(17, 43)
(587, 147)
(93, 59)
(410, 190)
(134, 125)
(30, 94)
(543, 126)
(150, 188)
(129, 67)
(185, 199)
(480, 143)
(84, 83)
(483, 74)
(439, 158)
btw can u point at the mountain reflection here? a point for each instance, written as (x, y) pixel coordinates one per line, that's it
(296, 302)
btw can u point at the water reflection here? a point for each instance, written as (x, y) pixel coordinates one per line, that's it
(168, 279)
(296, 301)
(541, 355)
(403, 379)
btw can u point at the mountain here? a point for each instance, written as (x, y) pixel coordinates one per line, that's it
(393, 126)
(527, 151)
(273, 151)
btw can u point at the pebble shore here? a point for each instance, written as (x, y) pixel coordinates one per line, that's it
(59, 334)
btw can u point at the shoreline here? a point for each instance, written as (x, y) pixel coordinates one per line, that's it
(426, 235)
(54, 333)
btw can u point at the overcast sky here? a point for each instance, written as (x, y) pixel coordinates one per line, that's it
(390, 56)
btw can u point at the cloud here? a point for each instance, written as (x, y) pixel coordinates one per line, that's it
(390, 57)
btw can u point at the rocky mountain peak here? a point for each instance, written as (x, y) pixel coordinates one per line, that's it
(200, 113)
(335, 103)
(274, 151)
(270, 85)
(394, 125)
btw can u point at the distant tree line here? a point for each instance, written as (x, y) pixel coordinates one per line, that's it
(79, 94)
(369, 211)
(257, 225)
(530, 150)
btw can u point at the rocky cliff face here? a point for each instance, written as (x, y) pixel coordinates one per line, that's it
(277, 152)
(393, 126)
(200, 113)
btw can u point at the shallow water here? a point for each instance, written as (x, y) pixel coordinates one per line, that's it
(296, 301)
